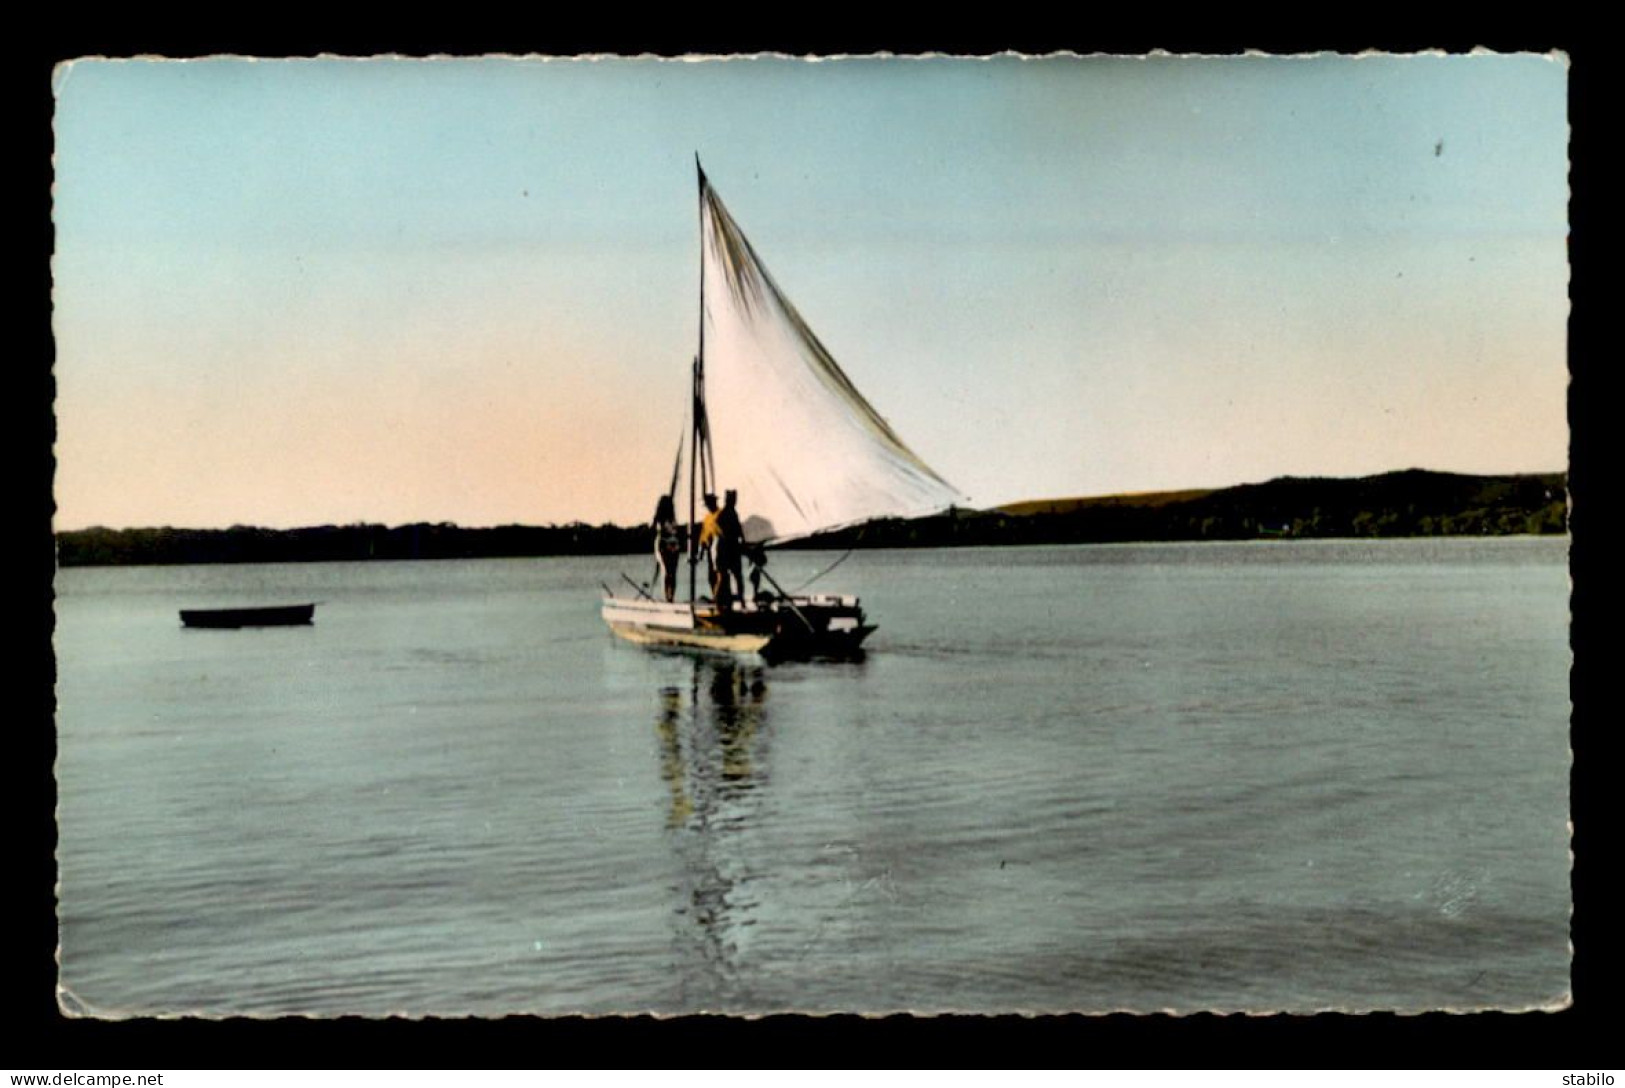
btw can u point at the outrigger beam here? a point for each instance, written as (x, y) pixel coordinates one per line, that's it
(785, 597)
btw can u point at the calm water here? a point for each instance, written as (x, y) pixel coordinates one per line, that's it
(1260, 776)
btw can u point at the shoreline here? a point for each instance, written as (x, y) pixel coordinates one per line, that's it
(1410, 504)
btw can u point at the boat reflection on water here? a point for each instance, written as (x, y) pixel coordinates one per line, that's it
(713, 734)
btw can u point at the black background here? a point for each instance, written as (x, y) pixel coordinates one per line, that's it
(38, 1038)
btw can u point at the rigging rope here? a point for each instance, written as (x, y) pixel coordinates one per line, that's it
(821, 573)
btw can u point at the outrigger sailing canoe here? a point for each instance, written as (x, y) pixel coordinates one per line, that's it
(806, 452)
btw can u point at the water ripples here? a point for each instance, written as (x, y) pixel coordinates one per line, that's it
(1240, 778)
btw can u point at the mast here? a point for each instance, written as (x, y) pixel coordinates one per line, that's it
(696, 407)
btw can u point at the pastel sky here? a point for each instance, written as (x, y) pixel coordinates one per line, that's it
(295, 292)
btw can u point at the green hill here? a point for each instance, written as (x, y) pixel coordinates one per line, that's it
(1070, 506)
(1410, 503)
(1414, 502)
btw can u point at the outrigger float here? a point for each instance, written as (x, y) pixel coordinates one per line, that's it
(823, 625)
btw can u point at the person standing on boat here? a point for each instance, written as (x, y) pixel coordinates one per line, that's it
(730, 552)
(706, 542)
(668, 544)
(757, 554)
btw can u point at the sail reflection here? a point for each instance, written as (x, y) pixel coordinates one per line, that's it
(712, 733)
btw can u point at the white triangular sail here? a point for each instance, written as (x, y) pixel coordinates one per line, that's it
(789, 431)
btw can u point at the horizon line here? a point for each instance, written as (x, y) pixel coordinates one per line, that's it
(57, 530)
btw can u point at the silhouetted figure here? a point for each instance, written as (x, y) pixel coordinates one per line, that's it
(668, 544)
(757, 554)
(730, 552)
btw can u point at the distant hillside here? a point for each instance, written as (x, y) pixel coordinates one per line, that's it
(1414, 502)
(1070, 506)
(1410, 503)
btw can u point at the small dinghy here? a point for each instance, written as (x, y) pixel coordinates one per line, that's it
(287, 615)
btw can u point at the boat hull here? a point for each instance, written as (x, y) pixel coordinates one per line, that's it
(780, 628)
(294, 615)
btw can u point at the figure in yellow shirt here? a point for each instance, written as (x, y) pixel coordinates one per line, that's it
(705, 543)
(722, 539)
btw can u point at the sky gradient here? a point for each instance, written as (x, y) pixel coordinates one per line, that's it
(326, 291)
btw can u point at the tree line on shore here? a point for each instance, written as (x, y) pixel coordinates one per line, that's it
(1396, 504)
